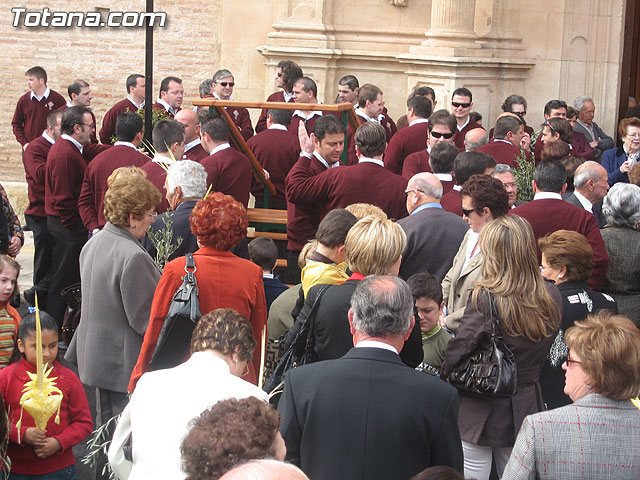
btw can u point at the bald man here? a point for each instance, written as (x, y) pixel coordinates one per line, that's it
(193, 149)
(591, 186)
(433, 234)
(475, 138)
(266, 469)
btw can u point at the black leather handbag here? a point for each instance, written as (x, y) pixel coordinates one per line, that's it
(491, 370)
(174, 340)
(300, 352)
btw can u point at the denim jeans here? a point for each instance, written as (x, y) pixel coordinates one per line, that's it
(68, 473)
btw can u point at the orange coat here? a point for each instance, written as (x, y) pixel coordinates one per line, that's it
(224, 281)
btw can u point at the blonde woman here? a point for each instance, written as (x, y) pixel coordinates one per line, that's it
(528, 310)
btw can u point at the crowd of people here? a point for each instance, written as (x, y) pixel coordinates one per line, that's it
(409, 247)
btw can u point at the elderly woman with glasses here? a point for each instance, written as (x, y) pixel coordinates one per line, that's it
(567, 260)
(598, 435)
(619, 161)
(118, 280)
(621, 209)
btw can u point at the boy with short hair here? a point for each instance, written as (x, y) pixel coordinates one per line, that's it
(326, 265)
(30, 117)
(427, 295)
(264, 253)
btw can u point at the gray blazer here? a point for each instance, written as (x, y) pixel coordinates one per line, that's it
(118, 280)
(605, 142)
(596, 208)
(458, 284)
(594, 438)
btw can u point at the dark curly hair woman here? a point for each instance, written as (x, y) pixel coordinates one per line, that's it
(224, 280)
(230, 433)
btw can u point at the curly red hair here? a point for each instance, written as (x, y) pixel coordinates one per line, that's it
(219, 221)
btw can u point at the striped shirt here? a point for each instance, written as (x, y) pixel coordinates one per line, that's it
(8, 331)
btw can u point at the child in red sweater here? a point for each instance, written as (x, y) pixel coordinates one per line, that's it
(45, 454)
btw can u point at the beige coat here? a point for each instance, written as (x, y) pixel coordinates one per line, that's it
(458, 284)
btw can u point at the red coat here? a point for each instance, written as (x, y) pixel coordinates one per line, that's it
(417, 162)
(277, 151)
(338, 187)
(458, 138)
(94, 185)
(452, 202)
(30, 117)
(197, 153)
(405, 142)
(503, 152)
(302, 218)
(35, 167)
(229, 172)
(224, 281)
(109, 121)
(64, 176)
(549, 215)
(75, 419)
(262, 121)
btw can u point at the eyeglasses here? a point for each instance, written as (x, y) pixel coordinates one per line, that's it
(569, 361)
(413, 190)
(91, 125)
(509, 185)
(438, 135)
(463, 105)
(224, 84)
(633, 135)
(553, 130)
(467, 212)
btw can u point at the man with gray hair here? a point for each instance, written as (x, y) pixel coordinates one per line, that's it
(265, 469)
(206, 88)
(370, 415)
(475, 139)
(433, 234)
(598, 140)
(223, 84)
(590, 187)
(504, 173)
(186, 184)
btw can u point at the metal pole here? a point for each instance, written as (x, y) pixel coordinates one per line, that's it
(148, 73)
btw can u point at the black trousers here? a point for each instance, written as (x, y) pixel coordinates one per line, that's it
(43, 246)
(292, 275)
(65, 270)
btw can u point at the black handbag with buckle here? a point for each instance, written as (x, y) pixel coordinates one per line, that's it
(491, 370)
(174, 340)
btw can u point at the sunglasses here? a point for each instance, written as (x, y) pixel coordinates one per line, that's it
(279, 74)
(524, 112)
(224, 84)
(438, 135)
(467, 212)
(463, 105)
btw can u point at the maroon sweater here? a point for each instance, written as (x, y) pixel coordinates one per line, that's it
(35, 167)
(63, 182)
(229, 172)
(458, 138)
(157, 175)
(417, 162)
(302, 218)
(94, 186)
(308, 123)
(197, 153)
(503, 152)
(405, 142)
(580, 147)
(159, 107)
(277, 151)
(365, 182)
(549, 215)
(109, 121)
(30, 117)
(452, 202)
(241, 118)
(262, 121)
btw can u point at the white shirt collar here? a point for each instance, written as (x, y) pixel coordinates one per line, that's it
(632, 159)
(287, 96)
(69, 105)
(545, 195)
(219, 148)
(167, 107)
(460, 128)
(126, 144)
(191, 144)
(419, 120)
(457, 188)
(323, 161)
(376, 344)
(158, 158)
(137, 106)
(46, 93)
(447, 177)
(73, 140)
(277, 126)
(502, 140)
(371, 160)
(267, 275)
(302, 114)
(48, 138)
(360, 113)
(584, 201)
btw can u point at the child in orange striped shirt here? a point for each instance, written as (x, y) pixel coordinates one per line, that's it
(9, 317)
